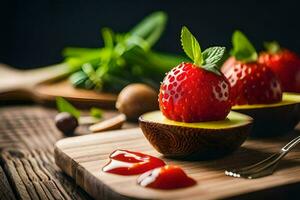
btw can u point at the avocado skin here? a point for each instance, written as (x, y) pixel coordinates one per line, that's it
(273, 121)
(196, 143)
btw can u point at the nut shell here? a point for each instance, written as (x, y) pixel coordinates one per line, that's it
(136, 99)
(66, 123)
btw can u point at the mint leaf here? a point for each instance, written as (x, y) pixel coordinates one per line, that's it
(191, 46)
(64, 106)
(242, 48)
(213, 54)
(96, 112)
(212, 58)
(272, 47)
(209, 60)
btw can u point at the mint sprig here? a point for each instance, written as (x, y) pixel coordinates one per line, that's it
(272, 47)
(213, 57)
(243, 50)
(210, 59)
(191, 46)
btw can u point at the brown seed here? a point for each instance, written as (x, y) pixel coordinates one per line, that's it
(66, 123)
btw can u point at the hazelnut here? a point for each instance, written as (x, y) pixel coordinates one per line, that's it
(66, 123)
(136, 99)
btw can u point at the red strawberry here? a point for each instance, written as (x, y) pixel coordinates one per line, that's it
(190, 94)
(251, 82)
(285, 64)
(196, 92)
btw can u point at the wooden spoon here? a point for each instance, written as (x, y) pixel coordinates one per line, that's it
(43, 85)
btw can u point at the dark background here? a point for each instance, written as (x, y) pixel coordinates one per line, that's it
(33, 33)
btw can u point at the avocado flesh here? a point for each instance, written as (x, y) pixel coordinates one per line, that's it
(233, 119)
(273, 119)
(287, 99)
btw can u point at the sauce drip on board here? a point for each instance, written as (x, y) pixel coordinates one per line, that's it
(123, 162)
(166, 178)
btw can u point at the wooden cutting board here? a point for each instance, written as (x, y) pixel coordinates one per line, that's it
(83, 158)
(43, 85)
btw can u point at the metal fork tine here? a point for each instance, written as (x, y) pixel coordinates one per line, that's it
(256, 164)
(257, 170)
(269, 166)
(260, 174)
(264, 167)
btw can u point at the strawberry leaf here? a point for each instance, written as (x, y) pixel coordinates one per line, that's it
(272, 47)
(242, 48)
(191, 46)
(213, 57)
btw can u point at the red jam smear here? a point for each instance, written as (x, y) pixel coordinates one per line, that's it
(166, 178)
(123, 162)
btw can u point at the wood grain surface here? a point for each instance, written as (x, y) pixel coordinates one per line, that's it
(27, 135)
(83, 158)
(27, 168)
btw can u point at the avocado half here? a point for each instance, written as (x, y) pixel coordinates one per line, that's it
(195, 140)
(273, 119)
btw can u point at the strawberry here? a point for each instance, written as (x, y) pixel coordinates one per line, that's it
(251, 82)
(194, 92)
(284, 63)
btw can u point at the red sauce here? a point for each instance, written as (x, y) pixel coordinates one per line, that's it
(125, 162)
(166, 178)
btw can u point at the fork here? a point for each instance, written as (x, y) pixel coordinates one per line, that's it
(265, 167)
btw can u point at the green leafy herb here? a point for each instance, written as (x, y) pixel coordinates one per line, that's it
(191, 46)
(96, 112)
(272, 47)
(242, 48)
(64, 106)
(88, 69)
(210, 59)
(124, 59)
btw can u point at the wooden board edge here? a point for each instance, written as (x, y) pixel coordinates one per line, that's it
(85, 180)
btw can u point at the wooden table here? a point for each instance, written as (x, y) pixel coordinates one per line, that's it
(28, 171)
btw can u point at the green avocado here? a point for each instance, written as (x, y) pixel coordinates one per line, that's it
(273, 119)
(180, 139)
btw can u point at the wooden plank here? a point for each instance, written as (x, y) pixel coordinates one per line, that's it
(83, 158)
(35, 176)
(6, 192)
(27, 135)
